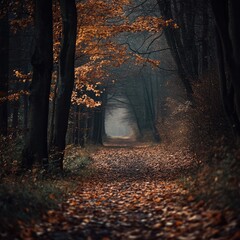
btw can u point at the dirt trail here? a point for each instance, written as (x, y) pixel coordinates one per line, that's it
(134, 193)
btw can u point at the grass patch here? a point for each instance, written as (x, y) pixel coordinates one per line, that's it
(26, 196)
(21, 202)
(77, 158)
(218, 181)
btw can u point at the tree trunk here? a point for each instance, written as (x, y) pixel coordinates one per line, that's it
(227, 91)
(66, 78)
(99, 118)
(181, 36)
(190, 43)
(4, 68)
(227, 21)
(75, 124)
(133, 108)
(51, 130)
(25, 113)
(174, 42)
(234, 34)
(82, 126)
(35, 149)
(150, 103)
(15, 120)
(205, 47)
(90, 123)
(98, 126)
(15, 112)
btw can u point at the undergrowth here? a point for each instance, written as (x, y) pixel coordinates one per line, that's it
(202, 128)
(216, 178)
(26, 195)
(24, 202)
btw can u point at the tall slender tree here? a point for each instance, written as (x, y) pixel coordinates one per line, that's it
(227, 18)
(176, 47)
(66, 77)
(205, 35)
(35, 149)
(99, 118)
(4, 68)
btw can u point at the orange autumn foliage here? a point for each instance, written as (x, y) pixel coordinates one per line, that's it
(100, 23)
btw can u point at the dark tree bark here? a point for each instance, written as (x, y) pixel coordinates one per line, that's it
(205, 32)
(227, 18)
(79, 125)
(75, 124)
(51, 130)
(35, 149)
(98, 131)
(66, 78)
(184, 15)
(25, 112)
(150, 104)
(135, 114)
(190, 42)
(15, 112)
(176, 47)
(4, 68)
(15, 118)
(90, 123)
(82, 124)
(97, 137)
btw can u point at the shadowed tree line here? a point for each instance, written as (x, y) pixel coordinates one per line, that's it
(188, 27)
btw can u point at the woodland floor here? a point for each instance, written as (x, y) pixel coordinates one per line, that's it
(135, 192)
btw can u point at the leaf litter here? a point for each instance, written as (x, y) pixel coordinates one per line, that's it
(135, 193)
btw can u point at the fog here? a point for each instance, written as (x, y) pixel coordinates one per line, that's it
(118, 120)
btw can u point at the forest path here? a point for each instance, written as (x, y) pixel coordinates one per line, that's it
(135, 193)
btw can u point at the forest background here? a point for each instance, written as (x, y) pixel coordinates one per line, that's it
(173, 65)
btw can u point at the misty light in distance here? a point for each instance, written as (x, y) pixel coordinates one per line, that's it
(118, 122)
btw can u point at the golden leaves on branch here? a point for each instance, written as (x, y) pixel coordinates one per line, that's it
(142, 60)
(97, 49)
(15, 95)
(84, 100)
(22, 77)
(99, 25)
(150, 24)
